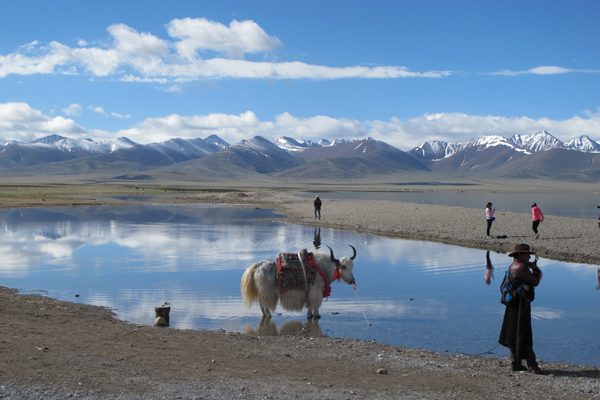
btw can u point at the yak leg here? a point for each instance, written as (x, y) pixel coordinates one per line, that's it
(266, 311)
(315, 299)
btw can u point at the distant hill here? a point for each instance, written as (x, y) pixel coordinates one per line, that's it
(536, 156)
(557, 164)
(55, 148)
(252, 157)
(352, 159)
(125, 160)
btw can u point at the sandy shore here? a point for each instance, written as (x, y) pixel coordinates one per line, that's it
(53, 350)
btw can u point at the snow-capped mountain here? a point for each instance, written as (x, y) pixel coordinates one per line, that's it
(437, 150)
(528, 144)
(217, 141)
(583, 143)
(192, 148)
(537, 142)
(250, 156)
(84, 145)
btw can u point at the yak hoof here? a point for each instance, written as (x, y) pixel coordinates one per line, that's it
(317, 316)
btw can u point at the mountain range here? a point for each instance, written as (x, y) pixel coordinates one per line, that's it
(536, 156)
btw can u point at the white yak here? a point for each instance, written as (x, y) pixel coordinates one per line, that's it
(260, 284)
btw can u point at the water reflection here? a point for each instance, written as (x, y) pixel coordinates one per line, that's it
(268, 327)
(415, 294)
(317, 239)
(489, 269)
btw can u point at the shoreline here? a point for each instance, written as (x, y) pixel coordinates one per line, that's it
(55, 349)
(561, 238)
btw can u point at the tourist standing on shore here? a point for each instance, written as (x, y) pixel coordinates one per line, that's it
(317, 204)
(537, 218)
(489, 215)
(516, 332)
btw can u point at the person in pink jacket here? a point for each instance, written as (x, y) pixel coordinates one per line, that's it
(537, 218)
(489, 216)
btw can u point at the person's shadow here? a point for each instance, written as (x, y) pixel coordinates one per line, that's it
(489, 268)
(317, 239)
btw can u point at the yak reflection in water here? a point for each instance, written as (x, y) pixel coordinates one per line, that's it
(266, 327)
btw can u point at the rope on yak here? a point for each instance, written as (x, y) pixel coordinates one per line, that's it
(303, 271)
(359, 305)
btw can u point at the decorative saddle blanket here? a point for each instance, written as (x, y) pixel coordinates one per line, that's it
(293, 271)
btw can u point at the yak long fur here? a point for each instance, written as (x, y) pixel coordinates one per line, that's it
(260, 284)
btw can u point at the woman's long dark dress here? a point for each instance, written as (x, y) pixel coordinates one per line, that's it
(516, 332)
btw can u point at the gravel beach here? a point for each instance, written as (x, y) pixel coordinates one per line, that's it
(51, 349)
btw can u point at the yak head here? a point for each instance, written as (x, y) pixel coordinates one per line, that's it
(343, 267)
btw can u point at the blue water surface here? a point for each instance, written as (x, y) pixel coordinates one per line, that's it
(415, 294)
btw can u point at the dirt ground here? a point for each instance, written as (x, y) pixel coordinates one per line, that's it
(53, 350)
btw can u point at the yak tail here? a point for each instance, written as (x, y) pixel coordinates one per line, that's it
(248, 285)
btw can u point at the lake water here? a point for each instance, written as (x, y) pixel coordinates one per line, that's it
(414, 294)
(576, 205)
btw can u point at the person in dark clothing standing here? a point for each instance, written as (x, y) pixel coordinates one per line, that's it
(516, 332)
(317, 203)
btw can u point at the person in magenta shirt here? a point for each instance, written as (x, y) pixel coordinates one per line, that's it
(537, 218)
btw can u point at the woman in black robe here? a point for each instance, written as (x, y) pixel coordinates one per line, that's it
(516, 333)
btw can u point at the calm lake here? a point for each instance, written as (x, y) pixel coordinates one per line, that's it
(415, 294)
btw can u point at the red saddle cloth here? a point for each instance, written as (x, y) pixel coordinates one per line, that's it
(289, 270)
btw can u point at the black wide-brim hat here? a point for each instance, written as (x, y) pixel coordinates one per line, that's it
(521, 248)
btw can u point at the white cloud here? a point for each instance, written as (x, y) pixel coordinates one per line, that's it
(319, 126)
(20, 122)
(143, 57)
(73, 109)
(97, 109)
(549, 70)
(129, 41)
(234, 41)
(542, 70)
(231, 128)
(114, 114)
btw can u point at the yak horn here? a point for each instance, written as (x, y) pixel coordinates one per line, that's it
(354, 250)
(333, 259)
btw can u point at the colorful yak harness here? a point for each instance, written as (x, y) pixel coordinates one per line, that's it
(298, 269)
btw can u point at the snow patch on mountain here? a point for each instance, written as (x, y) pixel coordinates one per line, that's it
(85, 145)
(290, 144)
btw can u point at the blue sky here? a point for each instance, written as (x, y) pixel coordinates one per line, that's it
(399, 71)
